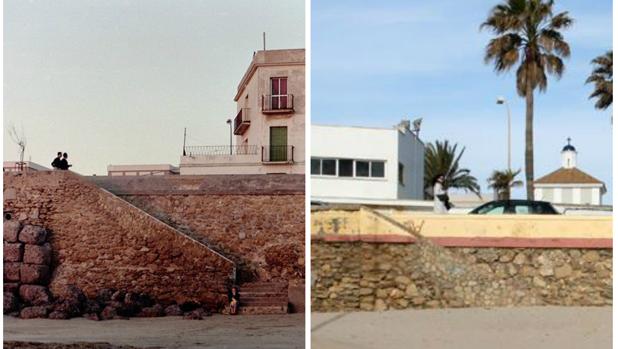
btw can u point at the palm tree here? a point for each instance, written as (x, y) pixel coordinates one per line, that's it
(502, 182)
(603, 77)
(442, 158)
(528, 33)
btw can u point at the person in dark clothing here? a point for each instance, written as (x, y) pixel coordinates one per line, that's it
(56, 163)
(64, 163)
(234, 299)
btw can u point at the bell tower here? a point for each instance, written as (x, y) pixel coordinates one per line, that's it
(569, 155)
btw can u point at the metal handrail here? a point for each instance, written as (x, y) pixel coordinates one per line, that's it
(220, 150)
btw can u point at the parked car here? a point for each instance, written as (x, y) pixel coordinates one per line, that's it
(515, 207)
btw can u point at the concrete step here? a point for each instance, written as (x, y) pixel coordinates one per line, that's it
(263, 309)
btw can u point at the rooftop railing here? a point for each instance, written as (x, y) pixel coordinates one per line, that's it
(221, 150)
(278, 153)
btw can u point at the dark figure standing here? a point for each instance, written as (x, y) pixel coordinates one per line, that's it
(64, 163)
(56, 163)
(234, 299)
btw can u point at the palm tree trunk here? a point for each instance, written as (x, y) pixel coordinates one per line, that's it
(529, 141)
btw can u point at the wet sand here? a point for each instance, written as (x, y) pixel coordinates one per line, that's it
(218, 331)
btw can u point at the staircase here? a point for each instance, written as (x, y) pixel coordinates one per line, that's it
(263, 298)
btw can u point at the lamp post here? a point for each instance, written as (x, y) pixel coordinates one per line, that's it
(229, 122)
(502, 100)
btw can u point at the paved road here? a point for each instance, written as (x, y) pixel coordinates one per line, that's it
(474, 328)
(218, 331)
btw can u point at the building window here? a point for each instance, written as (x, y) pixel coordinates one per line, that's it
(279, 93)
(362, 168)
(346, 168)
(377, 169)
(329, 167)
(401, 167)
(316, 166)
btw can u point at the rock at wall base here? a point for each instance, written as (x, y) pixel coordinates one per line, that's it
(31, 234)
(11, 230)
(12, 271)
(34, 295)
(11, 302)
(35, 254)
(33, 312)
(34, 274)
(13, 252)
(173, 310)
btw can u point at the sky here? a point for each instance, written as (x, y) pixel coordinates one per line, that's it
(116, 82)
(410, 59)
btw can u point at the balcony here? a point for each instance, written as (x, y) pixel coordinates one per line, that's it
(277, 104)
(241, 121)
(278, 154)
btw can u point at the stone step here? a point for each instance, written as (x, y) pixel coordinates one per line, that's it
(263, 294)
(263, 309)
(264, 300)
(263, 288)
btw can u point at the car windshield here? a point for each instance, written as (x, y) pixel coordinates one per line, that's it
(491, 208)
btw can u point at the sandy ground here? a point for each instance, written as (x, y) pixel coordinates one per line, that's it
(218, 331)
(504, 328)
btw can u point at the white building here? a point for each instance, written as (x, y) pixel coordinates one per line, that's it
(568, 184)
(366, 163)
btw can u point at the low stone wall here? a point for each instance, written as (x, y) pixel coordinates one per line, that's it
(100, 241)
(379, 276)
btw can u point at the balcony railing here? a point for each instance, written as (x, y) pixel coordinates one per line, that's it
(221, 150)
(272, 104)
(241, 121)
(278, 153)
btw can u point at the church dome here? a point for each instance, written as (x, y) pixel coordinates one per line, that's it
(568, 147)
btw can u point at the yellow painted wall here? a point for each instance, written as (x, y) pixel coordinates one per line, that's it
(364, 222)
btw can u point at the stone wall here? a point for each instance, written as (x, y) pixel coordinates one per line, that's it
(379, 276)
(257, 220)
(101, 241)
(264, 234)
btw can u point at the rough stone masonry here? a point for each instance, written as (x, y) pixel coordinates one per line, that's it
(380, 276)
(100, 242)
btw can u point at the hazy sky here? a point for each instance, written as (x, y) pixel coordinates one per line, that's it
(115, 82)
(425, 59)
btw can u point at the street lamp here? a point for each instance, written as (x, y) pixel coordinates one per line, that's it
(229, 122)
(502, 100)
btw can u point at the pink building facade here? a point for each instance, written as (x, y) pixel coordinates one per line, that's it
(269, 125)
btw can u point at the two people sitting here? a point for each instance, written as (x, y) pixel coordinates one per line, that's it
(61, 162)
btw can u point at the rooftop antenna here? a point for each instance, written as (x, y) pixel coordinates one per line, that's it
(416, 124)
(264, 40)
(184, 143)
